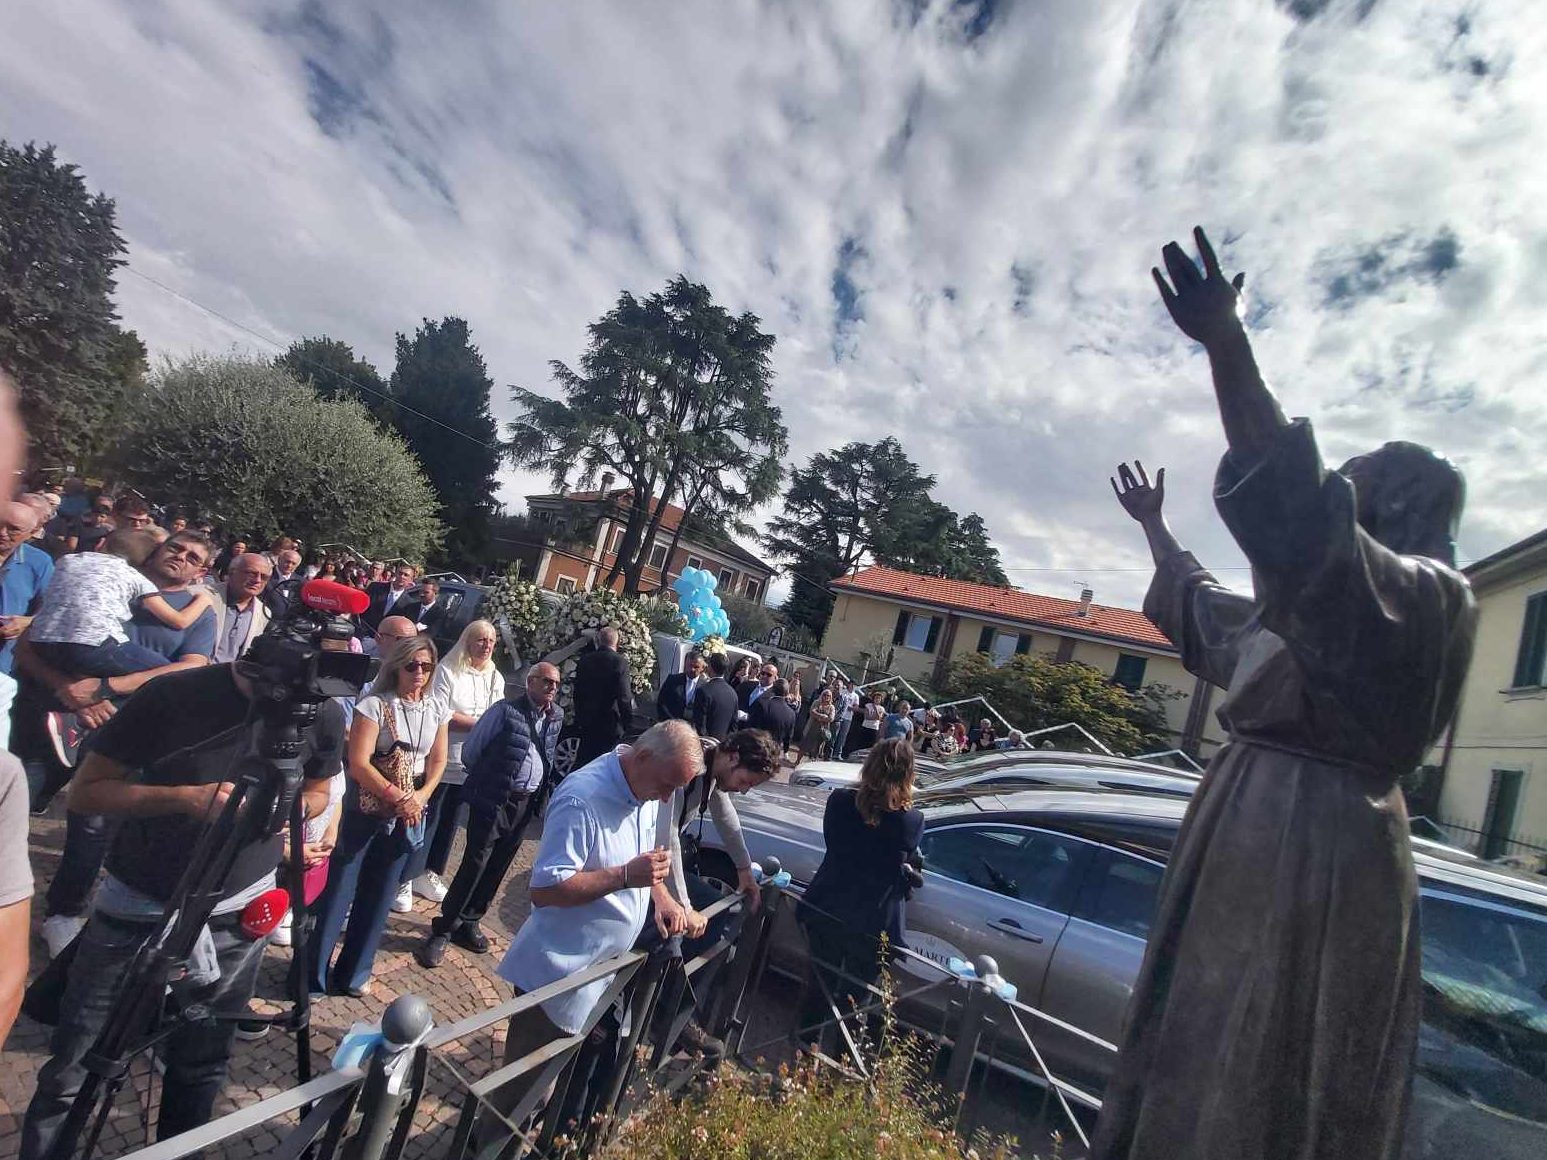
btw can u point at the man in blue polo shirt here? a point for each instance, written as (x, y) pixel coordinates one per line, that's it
(24, 573)
(596, 869)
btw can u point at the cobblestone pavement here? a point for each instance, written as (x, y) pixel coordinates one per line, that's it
(464, 985)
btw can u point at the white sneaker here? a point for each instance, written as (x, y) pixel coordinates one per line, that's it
(281, 935)
(404, 902)
(59, 932)
(430, 885)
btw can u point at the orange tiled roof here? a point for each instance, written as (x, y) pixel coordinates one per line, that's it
(671, 516)
(1123, 624)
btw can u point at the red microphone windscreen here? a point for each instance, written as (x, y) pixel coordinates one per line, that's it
(262, 914)
(331, 596)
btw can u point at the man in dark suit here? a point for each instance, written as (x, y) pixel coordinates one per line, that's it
(773, 712)
(423, 607)
(751, 692)
(604, 697)
(679, 691)
(385, 595)
(714, 705)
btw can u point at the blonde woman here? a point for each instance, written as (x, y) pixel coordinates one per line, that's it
(468, 682)
(858, 891)
(382, 824)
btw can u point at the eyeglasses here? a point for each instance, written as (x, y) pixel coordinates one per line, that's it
(192, 555)
(418, 667)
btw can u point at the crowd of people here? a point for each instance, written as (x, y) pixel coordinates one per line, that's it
(122, 679)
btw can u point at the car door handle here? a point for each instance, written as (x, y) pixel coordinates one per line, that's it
(1014, 929)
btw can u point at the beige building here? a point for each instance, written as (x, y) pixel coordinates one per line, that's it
(1494, 760)
(924, 622)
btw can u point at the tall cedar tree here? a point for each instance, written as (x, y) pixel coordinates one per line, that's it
(672, 397)
(440, 392)
(332, 369)
(59, 247)
(868, 502)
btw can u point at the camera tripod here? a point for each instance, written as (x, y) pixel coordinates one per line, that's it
(266, 799)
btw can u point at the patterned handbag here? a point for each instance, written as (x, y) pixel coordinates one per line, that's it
(396, 765)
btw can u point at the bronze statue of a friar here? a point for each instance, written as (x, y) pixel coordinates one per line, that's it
(1276, 1015)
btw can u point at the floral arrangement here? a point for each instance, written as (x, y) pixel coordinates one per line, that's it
(516, 608)
(712, 645)
(662, 614)
(592, 610)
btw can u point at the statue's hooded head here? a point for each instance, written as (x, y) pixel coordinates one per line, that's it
(1409, 499)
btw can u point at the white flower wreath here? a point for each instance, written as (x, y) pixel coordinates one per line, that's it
(600, 607)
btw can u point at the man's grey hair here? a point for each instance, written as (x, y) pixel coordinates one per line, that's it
(669, 741)
(607, 636)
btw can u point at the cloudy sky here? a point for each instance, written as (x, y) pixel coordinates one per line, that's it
(945, 211)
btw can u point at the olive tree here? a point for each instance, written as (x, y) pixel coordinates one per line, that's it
(246, 444)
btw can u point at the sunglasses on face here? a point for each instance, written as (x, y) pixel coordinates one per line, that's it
(418, 667)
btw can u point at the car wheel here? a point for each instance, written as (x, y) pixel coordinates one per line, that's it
(564, 754)
(715, 868)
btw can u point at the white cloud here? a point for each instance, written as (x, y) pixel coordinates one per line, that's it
(347, 169)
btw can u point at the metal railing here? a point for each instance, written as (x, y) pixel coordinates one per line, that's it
(582, 1085)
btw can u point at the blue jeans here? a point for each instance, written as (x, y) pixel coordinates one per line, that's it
(840, 736)
(108, 659)
(86, 841)
(441, 816)
(196, 1053)
(363, 877)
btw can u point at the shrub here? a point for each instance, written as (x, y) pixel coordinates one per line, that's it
(804, 1113)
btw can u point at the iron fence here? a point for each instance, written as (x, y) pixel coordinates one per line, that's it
(578, 1087)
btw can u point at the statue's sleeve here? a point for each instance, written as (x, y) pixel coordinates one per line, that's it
(1203, 619)
(1379, 633)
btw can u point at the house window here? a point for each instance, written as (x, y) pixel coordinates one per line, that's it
(694, 562)
(754, 590)
(727, 579)
(565, 585)
(1499, 817)
(920, 633)
(1529, 662)
(544, 517)
(615, 541)
(658, 557)
(1001, 646)
(1129, 672)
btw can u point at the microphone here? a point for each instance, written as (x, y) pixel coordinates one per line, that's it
(331, 596)
(263, 914)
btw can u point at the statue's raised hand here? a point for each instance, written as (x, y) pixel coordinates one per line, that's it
(1206, 307)
(1140, 498)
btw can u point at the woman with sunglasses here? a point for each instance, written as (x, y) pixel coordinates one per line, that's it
(469, 682)
(383, 823)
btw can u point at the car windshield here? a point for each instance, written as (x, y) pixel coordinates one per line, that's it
(1485, 1000)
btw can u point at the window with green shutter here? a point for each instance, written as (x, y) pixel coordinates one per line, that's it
(1530, 659)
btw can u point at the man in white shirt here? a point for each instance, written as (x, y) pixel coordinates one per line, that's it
(848, 702)
(590, 885)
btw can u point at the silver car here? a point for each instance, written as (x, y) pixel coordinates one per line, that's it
(1060, 887)
(1009, 769)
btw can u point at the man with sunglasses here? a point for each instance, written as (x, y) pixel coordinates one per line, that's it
(509, 760)
(49, 697)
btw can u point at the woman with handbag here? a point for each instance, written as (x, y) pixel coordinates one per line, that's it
(819, 727)
(469, 683)
(397, 753)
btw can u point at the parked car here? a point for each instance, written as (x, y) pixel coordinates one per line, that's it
(1007, 770)
(1060, 885)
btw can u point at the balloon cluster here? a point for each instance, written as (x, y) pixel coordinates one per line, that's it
(699, 605)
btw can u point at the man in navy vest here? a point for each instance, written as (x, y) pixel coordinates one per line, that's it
(508, 756)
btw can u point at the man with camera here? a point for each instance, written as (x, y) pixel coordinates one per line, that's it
(163, 766)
